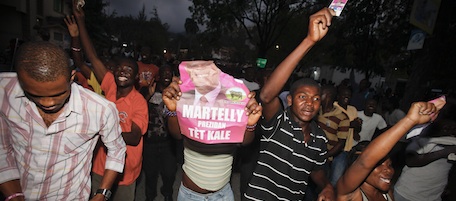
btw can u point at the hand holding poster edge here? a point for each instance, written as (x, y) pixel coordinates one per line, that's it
(416, 130)
(222, 119)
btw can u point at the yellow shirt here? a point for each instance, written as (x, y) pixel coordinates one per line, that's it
(92, 81)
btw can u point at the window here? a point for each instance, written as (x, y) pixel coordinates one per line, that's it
(58, 6)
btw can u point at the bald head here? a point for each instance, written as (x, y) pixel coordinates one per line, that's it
(42, 61)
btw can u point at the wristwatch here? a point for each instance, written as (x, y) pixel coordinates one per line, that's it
(105, 192)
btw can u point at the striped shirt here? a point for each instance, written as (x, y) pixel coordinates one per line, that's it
(335, 124)
(286, 160)
(54, 163)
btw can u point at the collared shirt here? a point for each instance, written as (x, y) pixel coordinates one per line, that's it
(53, 163)
(335, 124)
(285, 162)
(211, 96)
(132, 108)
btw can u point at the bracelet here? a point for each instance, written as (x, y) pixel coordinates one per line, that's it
(76, 49)
(251, 128)
(171, 113)
(14, 196)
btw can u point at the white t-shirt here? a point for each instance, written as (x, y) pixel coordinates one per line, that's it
(369, 125)
(426, 182)
(394, 117)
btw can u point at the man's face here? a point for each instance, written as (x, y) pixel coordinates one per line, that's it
(205, 76)
(145, 56)
(124, 75)
(166, 76)
(343, 98)
(371, 107)
(49, 97)
(305, 103)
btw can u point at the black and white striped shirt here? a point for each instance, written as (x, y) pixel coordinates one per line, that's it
(285, 160)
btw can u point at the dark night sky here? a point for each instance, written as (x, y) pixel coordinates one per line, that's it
(173, 12)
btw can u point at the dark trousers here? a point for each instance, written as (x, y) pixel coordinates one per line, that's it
(159, 158)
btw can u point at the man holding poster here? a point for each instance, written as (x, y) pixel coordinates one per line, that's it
(213, 113)
(293, 148)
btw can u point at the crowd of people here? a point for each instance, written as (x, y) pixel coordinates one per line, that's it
(100, 128)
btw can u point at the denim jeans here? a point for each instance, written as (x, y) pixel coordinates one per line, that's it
(338, 166)
(224, 194)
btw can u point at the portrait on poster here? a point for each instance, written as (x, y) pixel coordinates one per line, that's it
(211, 108)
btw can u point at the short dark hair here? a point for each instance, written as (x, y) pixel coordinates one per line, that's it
(303, 82)
(133, 63)
(330, 90)
(43, 61)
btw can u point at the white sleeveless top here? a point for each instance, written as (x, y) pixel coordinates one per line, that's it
(209, 172)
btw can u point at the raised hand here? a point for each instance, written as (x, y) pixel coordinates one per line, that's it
(319, 23)
(171, 94)
(152, 86)
(253, 109)
(72, 26)
(421, 112)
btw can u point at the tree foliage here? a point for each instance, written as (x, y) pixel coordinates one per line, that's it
(262, 20)
(140, 30)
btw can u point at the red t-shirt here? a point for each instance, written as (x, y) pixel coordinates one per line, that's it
(132, 108)
(146, 72)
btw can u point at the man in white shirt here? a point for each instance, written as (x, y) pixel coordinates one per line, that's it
(371, 121)
(49, 127)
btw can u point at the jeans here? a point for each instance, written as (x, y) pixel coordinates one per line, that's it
(224, 194)
(338, 166)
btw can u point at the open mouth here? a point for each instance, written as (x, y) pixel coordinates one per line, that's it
(307, 112)
(386, 180)
(122, 78)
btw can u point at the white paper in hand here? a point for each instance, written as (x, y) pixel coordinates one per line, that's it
(338, 6)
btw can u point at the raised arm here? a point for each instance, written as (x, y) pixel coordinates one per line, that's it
(254, 111)
(99, 68)
(76, 49)
(318, 27)
(171, 95)
(414, 159)
(355, 175)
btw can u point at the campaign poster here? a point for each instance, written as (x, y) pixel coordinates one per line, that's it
(211, 108)
(416, 40)
(424, 14)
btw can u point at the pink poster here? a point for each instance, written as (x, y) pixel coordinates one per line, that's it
(211, 108)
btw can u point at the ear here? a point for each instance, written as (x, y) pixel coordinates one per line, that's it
(289, 100)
